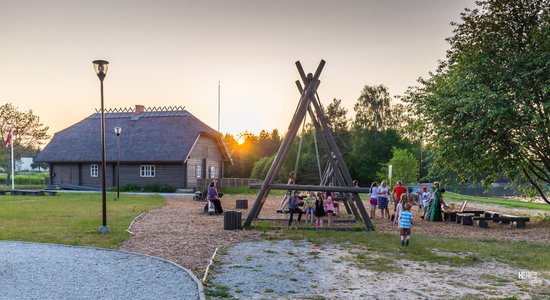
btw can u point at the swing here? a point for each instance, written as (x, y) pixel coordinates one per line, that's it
(336, 172)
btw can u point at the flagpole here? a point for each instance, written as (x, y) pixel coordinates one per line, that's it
(12, 168)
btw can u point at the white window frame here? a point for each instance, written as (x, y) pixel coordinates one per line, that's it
(213, 172)
(147, 171)
(198, 171)
(94, 170)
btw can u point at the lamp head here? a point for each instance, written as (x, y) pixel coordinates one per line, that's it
(101, 67)
(118, 130)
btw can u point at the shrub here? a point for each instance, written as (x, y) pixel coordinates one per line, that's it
(130, 187)
(159, 188)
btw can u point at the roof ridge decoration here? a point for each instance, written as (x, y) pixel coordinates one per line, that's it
(147, 109)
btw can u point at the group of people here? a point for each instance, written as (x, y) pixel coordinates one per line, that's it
(317, 206)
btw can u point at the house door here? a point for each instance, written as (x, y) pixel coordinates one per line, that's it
(66, 175)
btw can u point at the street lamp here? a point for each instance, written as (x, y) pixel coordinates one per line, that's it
(101, 67)
(118, 130)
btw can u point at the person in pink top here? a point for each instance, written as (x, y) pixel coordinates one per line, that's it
(330, 209)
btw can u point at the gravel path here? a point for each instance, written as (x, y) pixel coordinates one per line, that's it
(302, 270)
(47, 271)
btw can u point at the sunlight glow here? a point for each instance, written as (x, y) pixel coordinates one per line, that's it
(241, 140)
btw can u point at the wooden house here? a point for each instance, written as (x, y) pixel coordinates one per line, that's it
(165, 145)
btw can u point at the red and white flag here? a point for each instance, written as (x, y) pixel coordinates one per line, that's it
(8, 140)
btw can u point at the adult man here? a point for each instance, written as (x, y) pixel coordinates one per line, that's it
(398, 190)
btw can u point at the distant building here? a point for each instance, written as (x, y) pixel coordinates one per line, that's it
(23, 164)
(165, 145)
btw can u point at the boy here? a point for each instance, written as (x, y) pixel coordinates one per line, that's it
(293, 208)
(310, 207)
(406, 218)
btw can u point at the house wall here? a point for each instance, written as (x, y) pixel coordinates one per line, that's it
(172, 174)
(205, 154)
(64, 174)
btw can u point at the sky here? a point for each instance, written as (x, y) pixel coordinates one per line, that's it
(173, 53)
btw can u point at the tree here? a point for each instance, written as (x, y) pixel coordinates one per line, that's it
(404, 167)
(28, 135)
(487, 108)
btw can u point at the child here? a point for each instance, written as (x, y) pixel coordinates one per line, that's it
(426, 199)
(310, 207)
(406, 218)
(330, 209)
(293, 208)
(373, 199)
(319, 211)
(399, 208)
(286, 198)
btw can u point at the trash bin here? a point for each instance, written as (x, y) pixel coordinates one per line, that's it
(242, 204)
(232, 220)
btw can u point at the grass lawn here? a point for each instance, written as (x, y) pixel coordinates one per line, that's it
(499, 201)
(525, 255)
(71, 218)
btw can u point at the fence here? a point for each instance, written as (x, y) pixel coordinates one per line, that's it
(202, 184)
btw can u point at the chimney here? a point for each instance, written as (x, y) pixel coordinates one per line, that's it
(139, 109)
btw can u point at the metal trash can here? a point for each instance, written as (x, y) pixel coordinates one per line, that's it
(232, 220)
(242, 204)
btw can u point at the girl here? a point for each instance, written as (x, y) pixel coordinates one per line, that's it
(330, 209)
(383, 195)
(373, 199)
(399, 209)
(284, 202)
(310, 207)
(319, 211)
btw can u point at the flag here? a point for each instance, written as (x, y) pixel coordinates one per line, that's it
(8, 140)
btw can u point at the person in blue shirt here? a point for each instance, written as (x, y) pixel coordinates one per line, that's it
(405, 219)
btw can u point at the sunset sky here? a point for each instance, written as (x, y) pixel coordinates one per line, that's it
(165, 53)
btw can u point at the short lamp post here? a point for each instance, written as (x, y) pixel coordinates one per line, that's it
(118, 130)
(101, 67)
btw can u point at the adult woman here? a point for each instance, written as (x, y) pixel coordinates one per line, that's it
(435, 213)
(214, 198)
(383, 195)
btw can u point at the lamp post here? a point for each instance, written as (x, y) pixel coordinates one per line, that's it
(101, 67)
(118, 130)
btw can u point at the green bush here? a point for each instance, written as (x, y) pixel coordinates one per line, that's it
(159, 188)
(130, 187)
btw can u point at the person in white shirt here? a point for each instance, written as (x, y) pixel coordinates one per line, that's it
(373, 199)
(383, 195)
(426, 199)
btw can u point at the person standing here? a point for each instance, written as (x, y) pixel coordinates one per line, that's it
(373, 199)
(425, 196)
(383, 195)
(330, 209)
(398, 190)
(319, 210)
(286, 198)
(435, 213)
(405, 220)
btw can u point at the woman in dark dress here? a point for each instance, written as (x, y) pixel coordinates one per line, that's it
(435, 214)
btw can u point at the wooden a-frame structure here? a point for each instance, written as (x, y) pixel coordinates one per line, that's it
(337, 170)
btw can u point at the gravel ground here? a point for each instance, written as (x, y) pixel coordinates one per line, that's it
(302, 270)
(47, 271)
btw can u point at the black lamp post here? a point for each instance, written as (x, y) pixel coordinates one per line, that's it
(101, 67)
(118, 130)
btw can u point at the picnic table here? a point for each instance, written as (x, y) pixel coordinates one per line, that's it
(28, 192)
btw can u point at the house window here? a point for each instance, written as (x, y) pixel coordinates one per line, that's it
(147, 171)
(94, 170)
(198, 171)
(212, 171)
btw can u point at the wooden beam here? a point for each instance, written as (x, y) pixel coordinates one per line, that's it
(320, 188)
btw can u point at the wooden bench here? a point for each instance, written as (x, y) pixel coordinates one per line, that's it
(4, 192)
(465, 218)
(507, 219)
(482, 221)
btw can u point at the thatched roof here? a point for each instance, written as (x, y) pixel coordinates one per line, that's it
(151, 136)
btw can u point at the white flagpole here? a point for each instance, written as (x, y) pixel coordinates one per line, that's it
(12, 167)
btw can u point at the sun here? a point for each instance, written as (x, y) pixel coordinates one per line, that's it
(241, 140)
